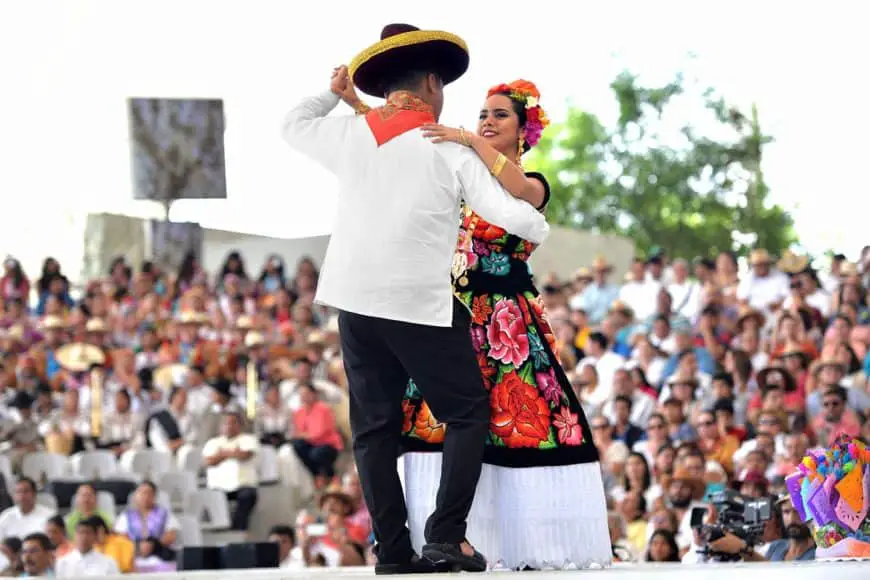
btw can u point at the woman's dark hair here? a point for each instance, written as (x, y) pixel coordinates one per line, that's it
(855, 363)
(859, 289)
(279, 270)
(188, 268)
(186, 272)
(670, 540)
(641, 375)
(731, 256)
(17, 273)
(520, 109)
(742, 366)
(48, 276)
(647, 474)
(240, 271)
(149, 483)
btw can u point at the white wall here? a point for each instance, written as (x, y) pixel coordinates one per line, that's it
(109, 235)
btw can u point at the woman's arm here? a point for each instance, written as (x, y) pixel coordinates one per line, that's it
(510, 176)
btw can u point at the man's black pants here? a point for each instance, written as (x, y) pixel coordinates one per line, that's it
(379, 357)
(246, 501)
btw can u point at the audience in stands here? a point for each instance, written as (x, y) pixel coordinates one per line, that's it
(37, 556)
(152, 528)
(116, 546)
(56, 531)
(696, 378)
(85, 506)
(316, 439)
(26, 516)
(285, 537)
(231, 460)
(85, 559)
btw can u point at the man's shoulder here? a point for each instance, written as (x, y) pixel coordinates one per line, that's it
(455, 154)
(43, 511)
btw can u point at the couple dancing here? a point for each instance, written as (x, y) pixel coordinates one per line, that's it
(460, 378)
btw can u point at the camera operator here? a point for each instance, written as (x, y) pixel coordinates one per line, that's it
(798, 543)
(729, 547)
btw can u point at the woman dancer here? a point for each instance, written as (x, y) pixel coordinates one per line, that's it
(540, 501)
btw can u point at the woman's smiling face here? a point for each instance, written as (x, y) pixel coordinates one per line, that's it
(499, 123)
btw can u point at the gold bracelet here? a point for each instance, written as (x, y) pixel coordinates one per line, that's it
(361, 108)
(498, 165)
(464, 137)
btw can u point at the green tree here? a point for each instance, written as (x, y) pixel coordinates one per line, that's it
(693, 190)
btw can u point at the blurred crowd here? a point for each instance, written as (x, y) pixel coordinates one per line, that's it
(699, 378)
(696, 378)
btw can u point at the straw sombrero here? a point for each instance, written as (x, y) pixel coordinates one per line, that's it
(52, 322)
(167, 376)
(79, 357)
(192, 318)
(791, 263)
(404, 48)
(96, 325)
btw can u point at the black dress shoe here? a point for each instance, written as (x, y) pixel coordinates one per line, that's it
(415, 565)
(452, 554)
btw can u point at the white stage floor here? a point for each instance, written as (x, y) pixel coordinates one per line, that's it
(839, 570)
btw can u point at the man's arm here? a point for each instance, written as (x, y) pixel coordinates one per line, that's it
(487, 198)
(307, 129)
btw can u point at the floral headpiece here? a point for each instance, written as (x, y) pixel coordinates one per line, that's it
(527, 93)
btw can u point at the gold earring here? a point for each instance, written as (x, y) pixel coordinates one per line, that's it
(520, 144)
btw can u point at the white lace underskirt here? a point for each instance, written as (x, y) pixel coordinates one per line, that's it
(541, 517)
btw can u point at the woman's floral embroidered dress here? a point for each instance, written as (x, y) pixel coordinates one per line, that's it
(535, 417)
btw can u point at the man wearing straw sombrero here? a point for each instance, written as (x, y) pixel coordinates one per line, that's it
(766, 288)
(387, 270)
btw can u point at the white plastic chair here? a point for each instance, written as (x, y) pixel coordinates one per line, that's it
(106, 503)
(96, 464)
(267, 464)
(210, 508)
(42, 465)
(6, 471)
(189, 532)
(47, 500)
(147, 463)
(293, 472)
(189, 458)
(177, 485)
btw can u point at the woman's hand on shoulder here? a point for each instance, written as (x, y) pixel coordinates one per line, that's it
(440, 134)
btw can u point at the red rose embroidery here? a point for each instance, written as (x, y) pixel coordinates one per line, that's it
(520, 416)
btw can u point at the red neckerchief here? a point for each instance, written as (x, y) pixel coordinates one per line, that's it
(403, 112)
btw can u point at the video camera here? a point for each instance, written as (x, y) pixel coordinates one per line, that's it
(737, 515)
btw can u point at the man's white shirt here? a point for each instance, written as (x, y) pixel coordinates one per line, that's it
(392, 244)
(15, 524)
(75, 565)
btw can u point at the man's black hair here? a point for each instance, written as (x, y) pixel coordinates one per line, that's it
(407, 81)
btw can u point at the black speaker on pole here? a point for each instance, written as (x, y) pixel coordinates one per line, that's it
(251, 555)
(200, 558)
